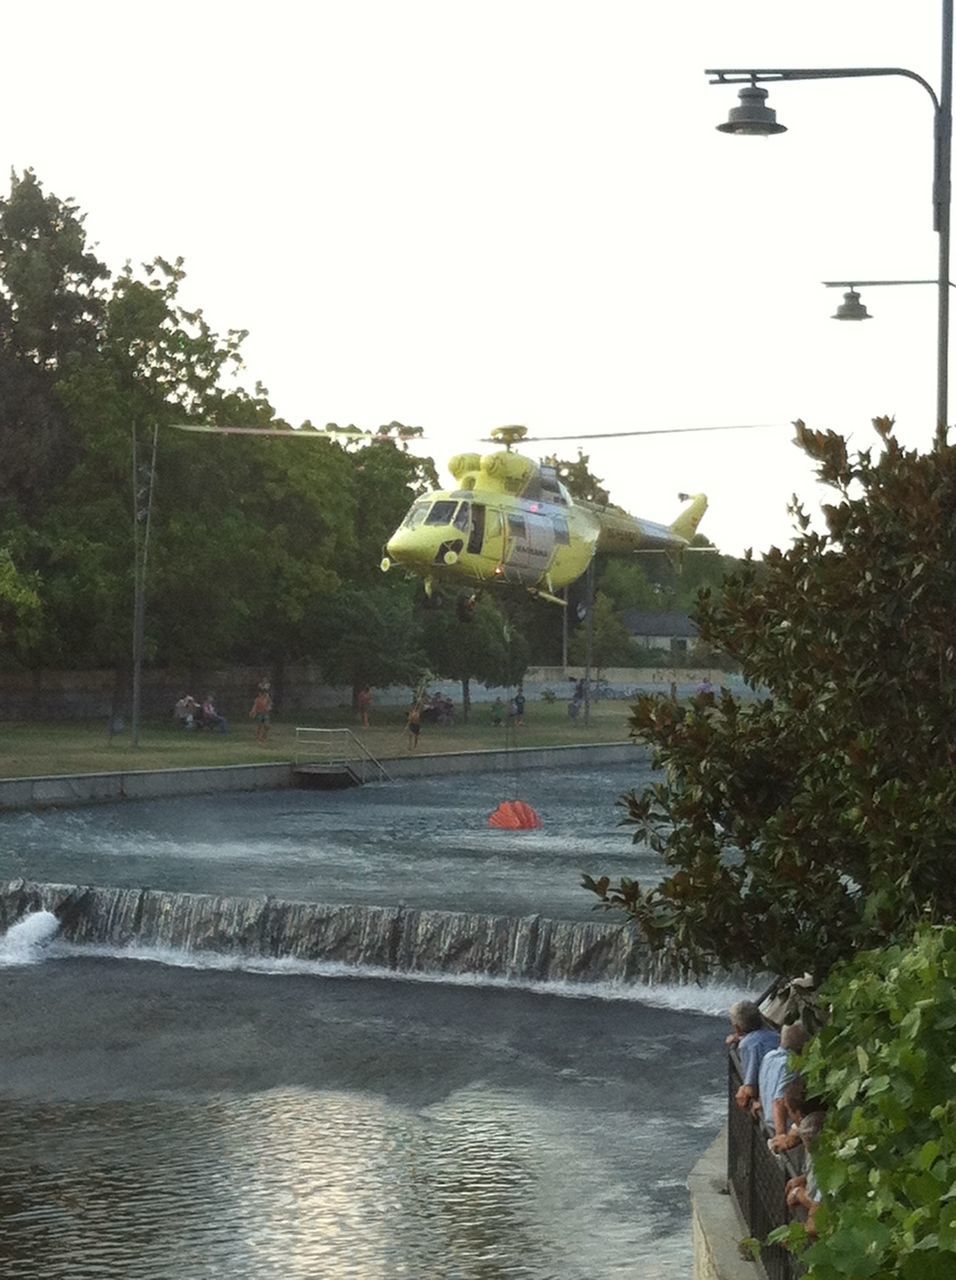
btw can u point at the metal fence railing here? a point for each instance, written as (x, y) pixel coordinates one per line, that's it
(337, 746)
(757, 1179)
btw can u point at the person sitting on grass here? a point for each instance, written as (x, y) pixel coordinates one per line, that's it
(185, 711)
(211, 719)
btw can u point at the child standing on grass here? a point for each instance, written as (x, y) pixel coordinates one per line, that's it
(364, 702)
(261, 711)
(414, 723)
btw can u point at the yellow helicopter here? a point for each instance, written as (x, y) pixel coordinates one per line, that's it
(510, 520)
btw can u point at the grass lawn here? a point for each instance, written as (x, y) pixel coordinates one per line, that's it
(28, 750)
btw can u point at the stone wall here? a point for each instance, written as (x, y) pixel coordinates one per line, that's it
(717, 1226)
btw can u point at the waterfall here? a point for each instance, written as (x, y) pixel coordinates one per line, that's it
(399, 939)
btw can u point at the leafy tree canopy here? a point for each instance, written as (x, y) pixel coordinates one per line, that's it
(818, 818)
(580, 480)
(611, 644)
(371, 635)
(249, 539)
(488, 648)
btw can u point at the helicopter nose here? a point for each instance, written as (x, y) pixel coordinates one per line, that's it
(422, 547)
(408, 546)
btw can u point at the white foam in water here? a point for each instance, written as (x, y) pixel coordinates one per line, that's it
(26, 941)
(713, 998)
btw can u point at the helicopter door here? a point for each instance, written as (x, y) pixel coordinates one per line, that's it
(477, 535)
(530, 547)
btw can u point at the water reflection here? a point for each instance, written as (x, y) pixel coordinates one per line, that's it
(296, 1184)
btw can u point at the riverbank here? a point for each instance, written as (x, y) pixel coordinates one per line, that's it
(54, 749)
(149, 784)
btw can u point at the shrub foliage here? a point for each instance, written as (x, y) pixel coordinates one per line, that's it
(886, 1162)
(819, 818)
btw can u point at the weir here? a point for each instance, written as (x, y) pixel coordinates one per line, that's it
(397, 939)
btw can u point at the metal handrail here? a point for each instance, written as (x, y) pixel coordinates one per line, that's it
(756, 1180)
(328, 735)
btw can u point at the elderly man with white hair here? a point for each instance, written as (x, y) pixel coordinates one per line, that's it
(753, 1039)
(775, 1074)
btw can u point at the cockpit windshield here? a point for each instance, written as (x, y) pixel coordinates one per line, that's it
(441, 513)
(444, 511)
(415, 516)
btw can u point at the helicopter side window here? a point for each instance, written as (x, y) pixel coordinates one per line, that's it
(561, 535)
(517, 527)
(461, 517)
(415, 516)
(441, 513)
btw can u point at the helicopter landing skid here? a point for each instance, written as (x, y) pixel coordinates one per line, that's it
(547, 595)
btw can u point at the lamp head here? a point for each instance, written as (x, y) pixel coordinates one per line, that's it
(752, 116)
(851, 308)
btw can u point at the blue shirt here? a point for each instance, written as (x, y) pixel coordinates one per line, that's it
(752, 1048)
(772, 1078)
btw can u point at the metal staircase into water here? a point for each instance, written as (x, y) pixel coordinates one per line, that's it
(332, 759)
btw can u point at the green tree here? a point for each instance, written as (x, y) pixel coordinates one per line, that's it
(611, 644)
(51, 303)
(487, 648)
(51, 310)
(20, 609)
(580, 480)
(820, 817)
(155, 363)
(372, 636)
(626, 584)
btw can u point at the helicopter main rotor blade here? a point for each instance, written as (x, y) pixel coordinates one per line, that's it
(287, 432)
(653, 431)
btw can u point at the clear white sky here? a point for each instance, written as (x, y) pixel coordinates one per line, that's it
(464, 214)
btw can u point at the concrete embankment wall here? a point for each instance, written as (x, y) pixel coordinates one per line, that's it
(88, 788)
(718, 1228)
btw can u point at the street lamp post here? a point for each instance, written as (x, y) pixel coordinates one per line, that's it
(755, 118)
(144, 473)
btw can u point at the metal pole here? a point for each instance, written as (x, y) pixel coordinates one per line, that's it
(564, 636)
(588, 641)
(140, 559)
(137, 599)
(942, 165)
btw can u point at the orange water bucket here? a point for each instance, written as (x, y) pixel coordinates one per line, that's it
(514, 815)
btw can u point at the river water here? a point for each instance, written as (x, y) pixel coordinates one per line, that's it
(176, 1119)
